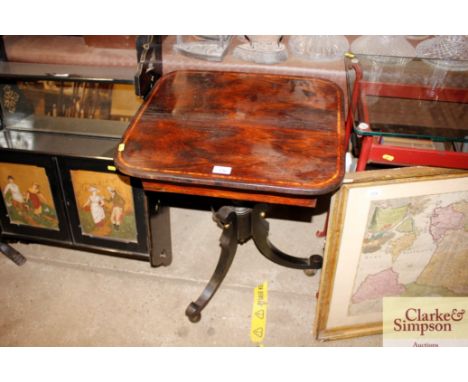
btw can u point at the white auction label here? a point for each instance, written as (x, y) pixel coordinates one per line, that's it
(221, 170)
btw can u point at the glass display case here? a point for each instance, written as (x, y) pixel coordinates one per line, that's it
(60, 129)
(414, 112)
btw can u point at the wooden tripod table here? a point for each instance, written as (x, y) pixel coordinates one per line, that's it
(255, 139)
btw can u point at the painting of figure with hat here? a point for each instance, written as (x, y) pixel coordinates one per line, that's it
(105, 205)
(118, 205)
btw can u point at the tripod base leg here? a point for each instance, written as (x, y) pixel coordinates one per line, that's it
(260, 231)
(228, 242)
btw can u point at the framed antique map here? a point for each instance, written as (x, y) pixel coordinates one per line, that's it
(400, 232)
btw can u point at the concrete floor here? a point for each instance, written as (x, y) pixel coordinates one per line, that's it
(63, 297)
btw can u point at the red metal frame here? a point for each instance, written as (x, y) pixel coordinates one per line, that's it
(354, 102)
(373, 151)
(418, 157)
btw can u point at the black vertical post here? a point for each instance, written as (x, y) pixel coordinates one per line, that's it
(149, 68)
(3, 55)
(160, 227)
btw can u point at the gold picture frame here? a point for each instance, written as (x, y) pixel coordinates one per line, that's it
(399, 232)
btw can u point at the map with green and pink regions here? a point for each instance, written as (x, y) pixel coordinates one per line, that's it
(414, 246)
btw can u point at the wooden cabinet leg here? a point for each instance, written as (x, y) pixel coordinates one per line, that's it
(12, 254)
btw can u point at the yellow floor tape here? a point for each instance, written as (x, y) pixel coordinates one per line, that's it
(259, 314)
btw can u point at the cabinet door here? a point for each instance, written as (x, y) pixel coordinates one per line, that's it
(107, 210)
(31, 204)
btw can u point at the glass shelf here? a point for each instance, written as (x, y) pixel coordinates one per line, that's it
(417, 98)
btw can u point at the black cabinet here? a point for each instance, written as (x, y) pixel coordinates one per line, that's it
(59, 133)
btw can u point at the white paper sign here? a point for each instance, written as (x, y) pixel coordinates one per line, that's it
(221, 170)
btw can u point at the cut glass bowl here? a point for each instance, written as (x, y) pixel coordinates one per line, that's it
(385, 49)
(319, 48)
(447, 52)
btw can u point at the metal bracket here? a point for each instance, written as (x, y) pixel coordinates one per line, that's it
(149, 69)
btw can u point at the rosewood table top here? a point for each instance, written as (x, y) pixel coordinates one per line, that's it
(237, 134)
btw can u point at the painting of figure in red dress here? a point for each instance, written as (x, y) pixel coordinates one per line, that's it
(27, 195)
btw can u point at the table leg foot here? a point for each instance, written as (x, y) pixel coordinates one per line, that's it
(260, 231)
(12, 254)
(320, 233)
(323, 233)
(193, 312)
(228, 242)
(310, 272)
(316, 262)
